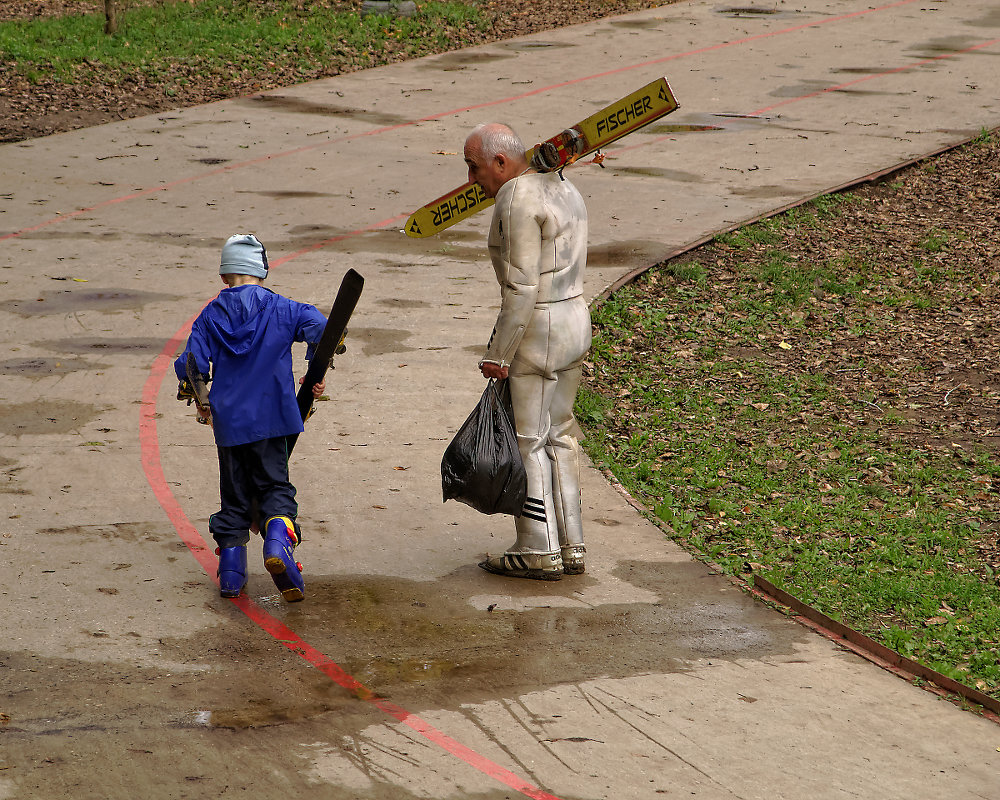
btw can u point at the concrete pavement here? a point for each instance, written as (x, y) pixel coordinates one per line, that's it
(650, 676)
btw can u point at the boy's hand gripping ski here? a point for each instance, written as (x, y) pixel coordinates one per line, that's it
(331, 342)
(194, 388)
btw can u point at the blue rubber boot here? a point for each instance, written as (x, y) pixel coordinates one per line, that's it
(232, 570)
(279, 541)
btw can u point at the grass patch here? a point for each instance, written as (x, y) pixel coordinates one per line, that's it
(772, 399)
(222, 36)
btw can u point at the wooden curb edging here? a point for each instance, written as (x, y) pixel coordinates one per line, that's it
(873, 651)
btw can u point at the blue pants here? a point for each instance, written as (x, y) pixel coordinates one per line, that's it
(253, 487)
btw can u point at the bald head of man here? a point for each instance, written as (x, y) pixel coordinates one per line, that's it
(494, 154)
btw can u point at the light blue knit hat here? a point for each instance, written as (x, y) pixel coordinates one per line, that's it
(243, 254)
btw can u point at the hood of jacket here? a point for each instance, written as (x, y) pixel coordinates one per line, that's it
(239, 316)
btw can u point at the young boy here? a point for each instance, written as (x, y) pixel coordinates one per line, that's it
(246, 334)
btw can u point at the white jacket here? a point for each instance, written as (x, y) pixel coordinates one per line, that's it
(538, 245)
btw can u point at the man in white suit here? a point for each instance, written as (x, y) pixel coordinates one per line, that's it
(538, 245)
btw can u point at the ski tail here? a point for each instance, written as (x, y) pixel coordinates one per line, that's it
(331, 340)
(458, 204)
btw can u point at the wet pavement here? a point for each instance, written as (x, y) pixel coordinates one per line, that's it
(408, 672)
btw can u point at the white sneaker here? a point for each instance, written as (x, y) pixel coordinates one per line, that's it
(537, 566)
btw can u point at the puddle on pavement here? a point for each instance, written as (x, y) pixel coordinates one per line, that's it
(706, 123)
(626, 253)
(943, 45)
(267, 711)
(403, 302)
(69, 301)
(45, 367)
(393, 267)
(815, 87)
(859, 70)
(118, 532)
(763, 191)
(870, 92)
(287, 195)
(164, 237)
(45, 416)
(989, 20)
(747, 11)
(315, 232)
(181, 239)
(658, 172)
(47, 234)
(380, 341)
(462, 59)
(421, 643)
(681, 127)
(535, 45)
(393, 242)
(9, 469)
(648, 24)
(299, 105)
(245, 681)
(802, 89)
(82, 344)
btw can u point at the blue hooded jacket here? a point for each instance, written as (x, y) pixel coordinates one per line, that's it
(246, 333)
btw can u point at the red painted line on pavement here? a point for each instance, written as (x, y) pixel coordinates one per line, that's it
(149, 447)
(290, 639)
(204, 554)
(441, 114)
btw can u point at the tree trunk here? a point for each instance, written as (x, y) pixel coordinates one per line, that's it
(110, 17)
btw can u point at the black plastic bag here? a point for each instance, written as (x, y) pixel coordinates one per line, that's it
(482, 466)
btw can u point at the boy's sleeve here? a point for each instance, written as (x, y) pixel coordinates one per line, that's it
(310, 327)
(197, 343)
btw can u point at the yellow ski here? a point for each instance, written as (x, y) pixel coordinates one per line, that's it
(608, 125)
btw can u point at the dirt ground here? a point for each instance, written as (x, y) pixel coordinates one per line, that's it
(28, 111)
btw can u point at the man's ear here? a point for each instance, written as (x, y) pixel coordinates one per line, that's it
(501, 160)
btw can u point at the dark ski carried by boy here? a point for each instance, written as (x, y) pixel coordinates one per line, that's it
(331, 342)
(651, 102)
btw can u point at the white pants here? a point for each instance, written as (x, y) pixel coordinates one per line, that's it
(544, 378)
